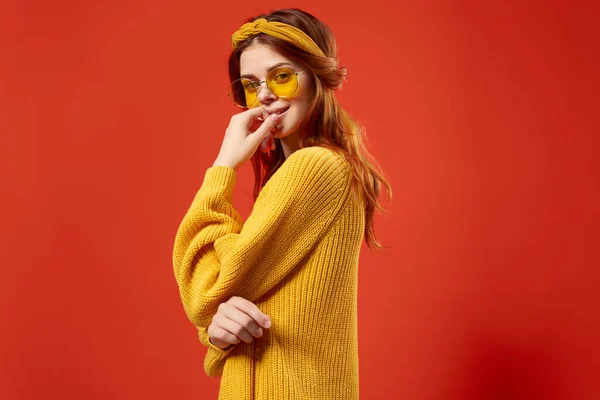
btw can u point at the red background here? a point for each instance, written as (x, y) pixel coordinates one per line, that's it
(483, 114)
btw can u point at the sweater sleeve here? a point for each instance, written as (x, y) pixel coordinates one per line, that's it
(216, 257)
(214, 358)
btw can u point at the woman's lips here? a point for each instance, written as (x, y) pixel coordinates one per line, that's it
(266, 114)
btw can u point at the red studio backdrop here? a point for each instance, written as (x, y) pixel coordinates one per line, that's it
(481, 113)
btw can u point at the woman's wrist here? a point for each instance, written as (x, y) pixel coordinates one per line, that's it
(223, 163)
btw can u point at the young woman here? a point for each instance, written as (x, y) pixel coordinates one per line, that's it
(274, 298)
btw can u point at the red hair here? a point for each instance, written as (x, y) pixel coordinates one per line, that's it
(328, 124)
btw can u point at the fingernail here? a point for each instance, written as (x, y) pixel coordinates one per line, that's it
(275, 117)
(267, 324)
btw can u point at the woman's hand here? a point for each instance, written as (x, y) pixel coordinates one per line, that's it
(237, 319)
(241, 140)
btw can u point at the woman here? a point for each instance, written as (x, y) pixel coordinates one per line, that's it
(274, 298)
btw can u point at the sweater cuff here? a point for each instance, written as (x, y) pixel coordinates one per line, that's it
(214, 361)
(220, 178)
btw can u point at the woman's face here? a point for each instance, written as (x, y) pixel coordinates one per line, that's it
(255, 63)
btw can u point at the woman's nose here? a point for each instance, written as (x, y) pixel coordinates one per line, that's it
(264, 94)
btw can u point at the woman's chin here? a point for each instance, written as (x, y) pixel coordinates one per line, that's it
(284, 131)
(279, 133)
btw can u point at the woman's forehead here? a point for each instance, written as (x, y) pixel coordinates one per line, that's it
(259, 59)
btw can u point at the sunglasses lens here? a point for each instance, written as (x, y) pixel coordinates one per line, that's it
(243, 93)
(282, 81)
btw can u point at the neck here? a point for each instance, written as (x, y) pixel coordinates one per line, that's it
(289, 144)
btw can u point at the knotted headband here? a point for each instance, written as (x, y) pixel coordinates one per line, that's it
(279, 30)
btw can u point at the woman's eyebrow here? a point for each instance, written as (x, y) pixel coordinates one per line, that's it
(272, 67)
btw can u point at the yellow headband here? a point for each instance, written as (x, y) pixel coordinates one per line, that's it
(279, 30)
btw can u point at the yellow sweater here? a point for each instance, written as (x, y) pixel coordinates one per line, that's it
(296, 258)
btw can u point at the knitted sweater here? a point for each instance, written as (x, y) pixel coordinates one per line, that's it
(296, 258)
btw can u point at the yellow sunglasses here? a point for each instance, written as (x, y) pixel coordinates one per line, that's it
(281, 81)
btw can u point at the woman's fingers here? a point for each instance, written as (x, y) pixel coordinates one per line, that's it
(267, 144)
(243, 319)
(251, 115)
(263, 146)
(270, 143)
(264, 114)
(221, 337)
(260, 126)
(256, 123)
(240, 142)
(234, 328)
(237, 320)
(252, 310)
(256, 137)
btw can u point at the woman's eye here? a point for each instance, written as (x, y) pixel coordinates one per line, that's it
(249, 87)
(282, 77)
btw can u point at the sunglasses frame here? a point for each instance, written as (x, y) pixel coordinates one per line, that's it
(258, 86)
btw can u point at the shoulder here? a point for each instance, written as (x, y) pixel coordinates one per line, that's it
(316, 160)
(308, 172)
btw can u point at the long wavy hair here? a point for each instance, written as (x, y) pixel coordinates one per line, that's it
(328, 124)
